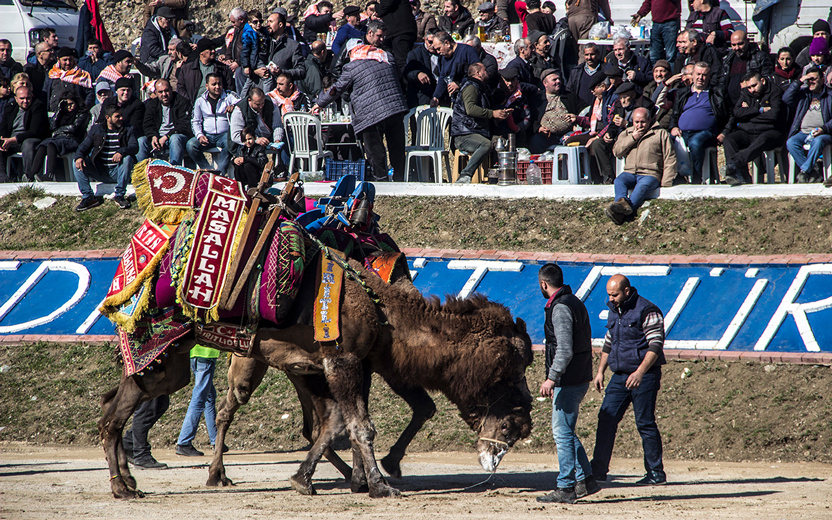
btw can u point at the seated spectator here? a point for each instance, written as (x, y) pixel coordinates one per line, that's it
(95, 59)
(628, 101)
(190, 79)
(319, 22)
(102, 94)
(424, 21)
(8, 67)
(521, 100)
(536, 20)
(698, 113)
(24, 125)
(554, 117)
(154, 47)
(6, 96)
(286, 56)
(523, 53)
(49, 37)
(249, 159)
(493, 25)
(122, 64)
(210, 123)
(744, 57)
(708, 18)
(66, 76)
(486, 59)
(812, 105)
(287, 97)
(656, 88)
(39, 70)
(636, 68)
(754, 127)
(256, 111)
(166, 124)
(820, 29)
(580, 81)
(132, 108)
(615, 77)
(649, 162)
(349, 30)
(69, 127)
(818, 54)
(107, 154)
(316, 70)
(453, 65)
(785, 70)
(540, 59)
(471, 125)
(596, 137)
(456, 19)
(421, 72)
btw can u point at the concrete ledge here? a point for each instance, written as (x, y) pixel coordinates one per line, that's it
(787, 358)
(93, 339)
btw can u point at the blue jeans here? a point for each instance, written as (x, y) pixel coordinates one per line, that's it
(119, 173)
(616, 401)
(663, 41)
(697, 142)
(203, 400)
(175, 146)
(803, 160)
(572, 460)
(641, 185)
(214, 140)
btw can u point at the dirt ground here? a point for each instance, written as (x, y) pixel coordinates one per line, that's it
(60, 482)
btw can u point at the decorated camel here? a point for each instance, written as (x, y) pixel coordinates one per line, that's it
(338, 318)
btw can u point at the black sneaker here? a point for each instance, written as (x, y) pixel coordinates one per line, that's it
(87, 203)
(622, 207)
(586, 487)
(653, 478)
(42, 177)
(148, 462)
(559, 496)
(828, 182)
(122, 202)
(188, 450)
(730, 180)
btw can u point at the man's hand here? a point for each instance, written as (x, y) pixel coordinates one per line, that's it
(817, 131)
(545, 131)
(766, 109)
(315, 110)
(155, 143)
(8, 142)
(720, 138)
(434, 102)
(617, 120)
(502, 113)
(591, 140)
(634, 19)
(547, 389)
(803, 78)
(233, 66)
(263, 72)
(239, 161)
(452, 87)
(154, 3)
(203, 141)
(744, 104)
(274, 70)
(634, 380)
(673, 79)
(598, 382)
(607, 138)
(424, 79)
(79, 163)
(247, 70)
(711, 38)
(676, 132)
(638, 134)
(262, 141)
(631, 74)
(571, 118)
(117, 157)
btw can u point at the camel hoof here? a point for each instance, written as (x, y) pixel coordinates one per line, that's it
(385, 491)
(130, 482)
(359, 487)
(128, 493)
(219, 481)
(301, 486)
(391, 466)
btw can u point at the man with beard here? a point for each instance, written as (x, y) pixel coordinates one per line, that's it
(754, 127)
(190, 78)
(285, 54)
(745, 57)
(554, 117)
(66, 76)
(540, 59)
(167, 123)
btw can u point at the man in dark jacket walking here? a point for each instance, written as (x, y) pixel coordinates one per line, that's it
(24, 124)
(568, 373)
(167, 124)
(401, 28)
(376, 102)
(634, 351)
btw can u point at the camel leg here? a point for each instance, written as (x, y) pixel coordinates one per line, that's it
(423, 409)
(345, 376)
(244, 376)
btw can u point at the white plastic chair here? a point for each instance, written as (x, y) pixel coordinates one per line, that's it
(430, 141)
(827, 163)
(297, 125)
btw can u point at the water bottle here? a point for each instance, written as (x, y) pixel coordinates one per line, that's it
(533, 175)
(810, 137)
(390, 174)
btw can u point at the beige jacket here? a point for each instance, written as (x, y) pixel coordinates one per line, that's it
(653, 154)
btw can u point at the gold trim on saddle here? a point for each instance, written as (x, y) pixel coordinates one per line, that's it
(328, 298)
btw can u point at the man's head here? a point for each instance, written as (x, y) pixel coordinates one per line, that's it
(701, 5)
(691, 41)
(324, 7)
(124, 90)
(486, 10)
(49, 36)
(592, 55)
(550, 279)
(739, 43)
(44, 53)
(285, 85)
(661, 70)
(430, 35)
(353, 15)
(814, 80)
(542, 45)
(213, 84)
(523, 48)
(598, 85)
(510, 79)
(257, 99)
(238, 17)
(478, 72)
(375, 33)
(123, 62)
(94, 48)
(701, 75)
(113, 117)
(552, 81)
(276, 24)
(172, 52)
(533, 5)
(444, 44)
(785, 58)
(473, 42)
(23, 97)
(618, 286)
(626, 94)
(451, 8)
(615, 76)
(318, 49)
(755, 84)
(165, 17)
(5, 87)
(370, 11)
(621, 49)
(820, 29)
(164, 92)
(5, 50)
(103, 91)
(687, 74)
(641, 119)
(206, 51)
(548, 7)
(66, 58)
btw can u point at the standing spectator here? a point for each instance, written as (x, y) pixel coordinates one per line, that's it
(710, 20)
(66, 76)
(471, 123)
(424, 21)
(493, 25)
(24, 125)
(155, 37)
(580, 81)
(667, 20)
(649, 162)
(69, 126)
(583, 14)
(122, 63)
(8, 67)
(376, 102)
(540, 59)
(537, 20)
(348, 31)
(812, 104)
(554, 117)
(95, 58)
(456, 19)
(486, 59)
(401, 29)
(820, 29)
(256, 111)
(523, 52)
(421, 72)
(190, 79)
(316, 70)
(318, 23)
(698, 114)
(179, 8)
(240, 47)
(203, 400)
(167, 124)
(6, 96)
(636, 68)
(210, 123)
(693, 49)
(107, 154)
(568, 342)
(453, 65)
(744, 57)
(135, 440)
(249, 162)
(633, 350)
(285, 55)
(39, 70)
(47, 36)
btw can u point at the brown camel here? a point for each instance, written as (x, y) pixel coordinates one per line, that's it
(470, 349)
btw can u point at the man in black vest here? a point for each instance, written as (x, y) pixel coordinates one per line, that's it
(568, 373)
(633, 349)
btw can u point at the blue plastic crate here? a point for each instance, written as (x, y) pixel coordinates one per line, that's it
(334, 170)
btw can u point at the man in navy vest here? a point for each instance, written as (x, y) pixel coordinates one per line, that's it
(568, 373)
(633, 349)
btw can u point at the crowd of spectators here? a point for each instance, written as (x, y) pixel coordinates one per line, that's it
(705, 83)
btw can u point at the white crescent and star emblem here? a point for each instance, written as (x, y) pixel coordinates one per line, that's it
(179, 182)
